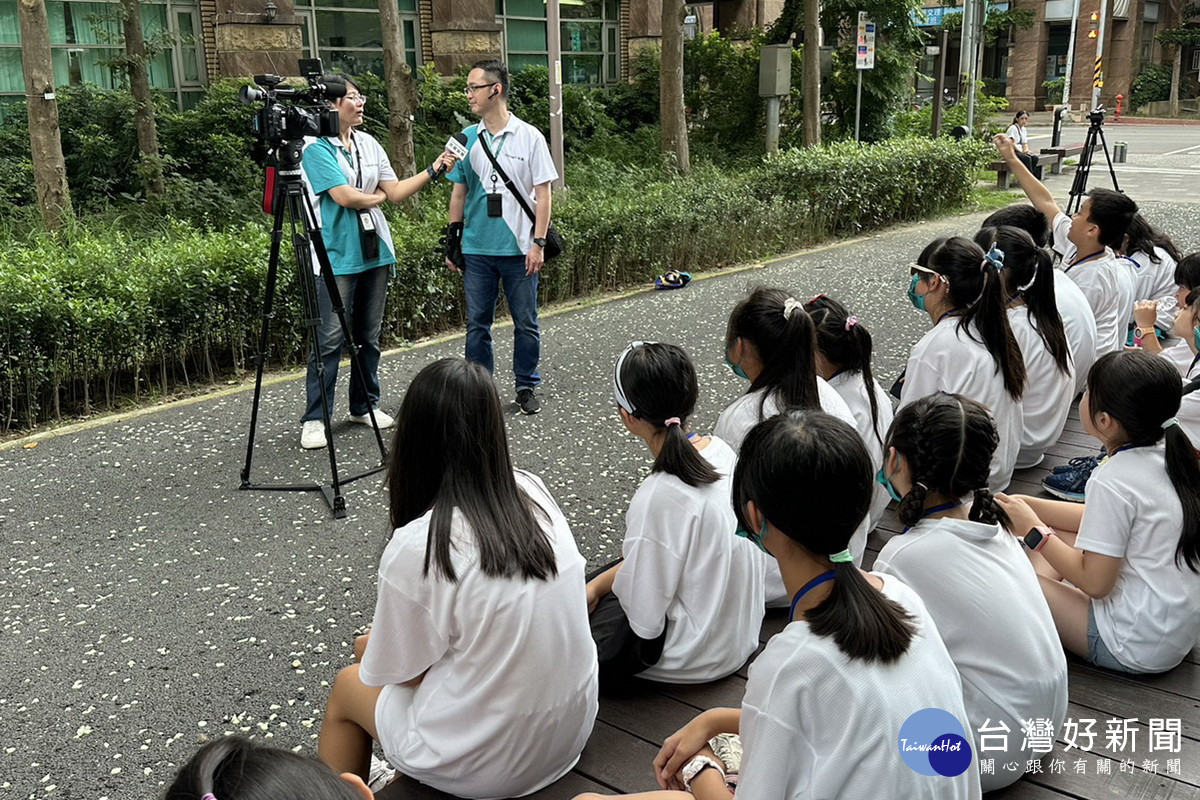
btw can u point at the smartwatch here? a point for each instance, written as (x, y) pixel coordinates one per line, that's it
(1037, 537)
(540, 241)
(697, 765)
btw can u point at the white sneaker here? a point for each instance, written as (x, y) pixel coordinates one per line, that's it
(312, 435)
(381, 774)
(382, 419)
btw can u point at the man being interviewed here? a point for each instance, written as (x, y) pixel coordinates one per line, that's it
(492, 231)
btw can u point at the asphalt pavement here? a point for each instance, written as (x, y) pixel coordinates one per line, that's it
(148, 603)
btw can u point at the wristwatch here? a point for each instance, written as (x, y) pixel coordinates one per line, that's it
(694, 767)
(540, 241)
(431, 172)
(1037, 537)
(1144, 333)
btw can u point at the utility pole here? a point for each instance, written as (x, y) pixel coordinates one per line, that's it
(1098, 73)
(554, 46)
(1066, 98)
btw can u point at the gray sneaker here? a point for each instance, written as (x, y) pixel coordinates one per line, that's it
(528, 401)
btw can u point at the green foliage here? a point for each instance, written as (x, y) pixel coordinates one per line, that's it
(1153, 83)
(1054, 90)
(919, 122)
(100, 314)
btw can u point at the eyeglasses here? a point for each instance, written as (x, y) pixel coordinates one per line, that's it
(471, 88)
(357, 98)
(917, 269)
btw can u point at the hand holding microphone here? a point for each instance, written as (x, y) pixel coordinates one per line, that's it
(456, 149)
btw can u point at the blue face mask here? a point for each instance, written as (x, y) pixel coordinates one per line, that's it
(757, 538)
(886, 482)
(737, 369)
(918, 300)
(1196, 337)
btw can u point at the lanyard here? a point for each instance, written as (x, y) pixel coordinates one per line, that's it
(1119, 449)
(483, 131)
(1079, 261)
(356, 160)
(935, 510)
(951, 313)
(808, 587)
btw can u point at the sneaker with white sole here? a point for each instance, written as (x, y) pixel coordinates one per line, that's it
(381, 774)
(1071, 484)
(312, 435)
(382, 419)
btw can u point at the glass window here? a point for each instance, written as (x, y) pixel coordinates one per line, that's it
(581, 9)
(12, 79)
(525, 8)
(526, 36)
(352, 41)
(10, 29)
(518, 62)
(590, 46)
(336, 29)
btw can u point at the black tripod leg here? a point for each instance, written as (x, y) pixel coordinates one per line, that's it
(339, 308)
(300, 213)
(1082, 172)
(264, 334)
(1112, 173)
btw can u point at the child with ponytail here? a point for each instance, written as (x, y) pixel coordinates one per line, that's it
(844, 360)
(236, 768)
(771, 342)
(688, 591)
(980, 589)
(1122, 572)
(1038, 328)
(971, 349)
(1148, 314)
(827, 700)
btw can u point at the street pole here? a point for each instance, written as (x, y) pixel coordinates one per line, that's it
(554, 46)
(1066, 98)
(772, 124)
(939, 84)
(1098, 79)
(858, 105)
(973, 55)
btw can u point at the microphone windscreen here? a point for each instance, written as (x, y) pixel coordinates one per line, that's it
(335, 89)
(457, 145)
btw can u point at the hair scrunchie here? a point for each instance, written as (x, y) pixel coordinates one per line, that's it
(851, 321)
(995, 257)
(669, 421)
(789, 307)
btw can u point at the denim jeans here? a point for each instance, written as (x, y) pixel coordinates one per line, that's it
(481, 281)
(363, 295)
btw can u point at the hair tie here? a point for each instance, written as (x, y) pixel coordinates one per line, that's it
(1032, 280)
(923, 486)
(671, 421)
(789, 307)
(995, 257)
(209, 796)
(851, 321)
(1172, 421)
(843, 557)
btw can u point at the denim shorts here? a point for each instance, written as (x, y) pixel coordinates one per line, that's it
(1098, 652)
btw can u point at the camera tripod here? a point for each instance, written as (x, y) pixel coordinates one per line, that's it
(291, 199)
(1095, 134)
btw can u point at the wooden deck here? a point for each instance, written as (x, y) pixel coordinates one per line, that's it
(628, 730)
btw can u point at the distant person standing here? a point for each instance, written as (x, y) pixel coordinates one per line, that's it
(497, 240)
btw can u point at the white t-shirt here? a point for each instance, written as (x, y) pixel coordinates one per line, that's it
(1182, 358)
(743, 414)
(1149, 620)
(853, 389)
(1019, 135)
(1108, 284)
(1048, 391)
(1189, 417)
(1155, 281)
(982, 592)
(1079, 323)
(511, 664)
(684, 565)
(949, 360)
(817, 725)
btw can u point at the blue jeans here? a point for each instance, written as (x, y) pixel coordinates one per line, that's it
(1098, 652)
(363, 295)
(481, 281)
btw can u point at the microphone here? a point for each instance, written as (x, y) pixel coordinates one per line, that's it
(457, 147)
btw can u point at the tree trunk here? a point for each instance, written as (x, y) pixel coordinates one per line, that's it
(1176, 69)
(812, 73)
(139, 87)
(401, 89)
(671, 110)
(45, 143)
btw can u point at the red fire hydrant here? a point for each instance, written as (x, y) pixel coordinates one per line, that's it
(1120, 99)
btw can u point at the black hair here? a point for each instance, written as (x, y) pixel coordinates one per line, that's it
(844, 344)
(948, 441)
(1192, 301)
(496, 71)
(451, 453)
(930, 249)
(1018, 115)
(1111, 212)
(810, 475)
(1025, 217)
(1142, 237)
(660, 383)
(978, 296)
(1141, 392)
(1026, 264)
(1187, 271)
(785, 341)
(339, 78)
(235, 768)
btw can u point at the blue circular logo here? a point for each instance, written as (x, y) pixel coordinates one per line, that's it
(932, 742)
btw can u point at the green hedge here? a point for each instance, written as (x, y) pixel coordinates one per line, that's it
(98, 316)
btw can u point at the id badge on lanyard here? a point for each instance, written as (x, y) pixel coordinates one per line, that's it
(368, 233)
(495, 200)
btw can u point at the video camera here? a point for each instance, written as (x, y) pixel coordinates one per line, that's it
(1096, 116)
(288, 113)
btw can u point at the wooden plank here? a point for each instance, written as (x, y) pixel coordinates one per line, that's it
(569, 785)
(647, 714)
(718, 694)
(1139, 749)
(1111, 695)
(1091, 784)
(1025, 790)
(618, 759)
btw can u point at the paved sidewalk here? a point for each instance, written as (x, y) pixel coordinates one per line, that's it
(148, 603)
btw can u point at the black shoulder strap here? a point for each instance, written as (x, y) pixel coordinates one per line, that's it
(504, 177)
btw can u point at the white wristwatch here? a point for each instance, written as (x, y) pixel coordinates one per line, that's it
(697, 765)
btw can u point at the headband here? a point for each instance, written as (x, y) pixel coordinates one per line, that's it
(618, 390)
(789, 307)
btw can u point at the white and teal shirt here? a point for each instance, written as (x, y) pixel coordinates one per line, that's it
(327, 164)
(521, 151)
